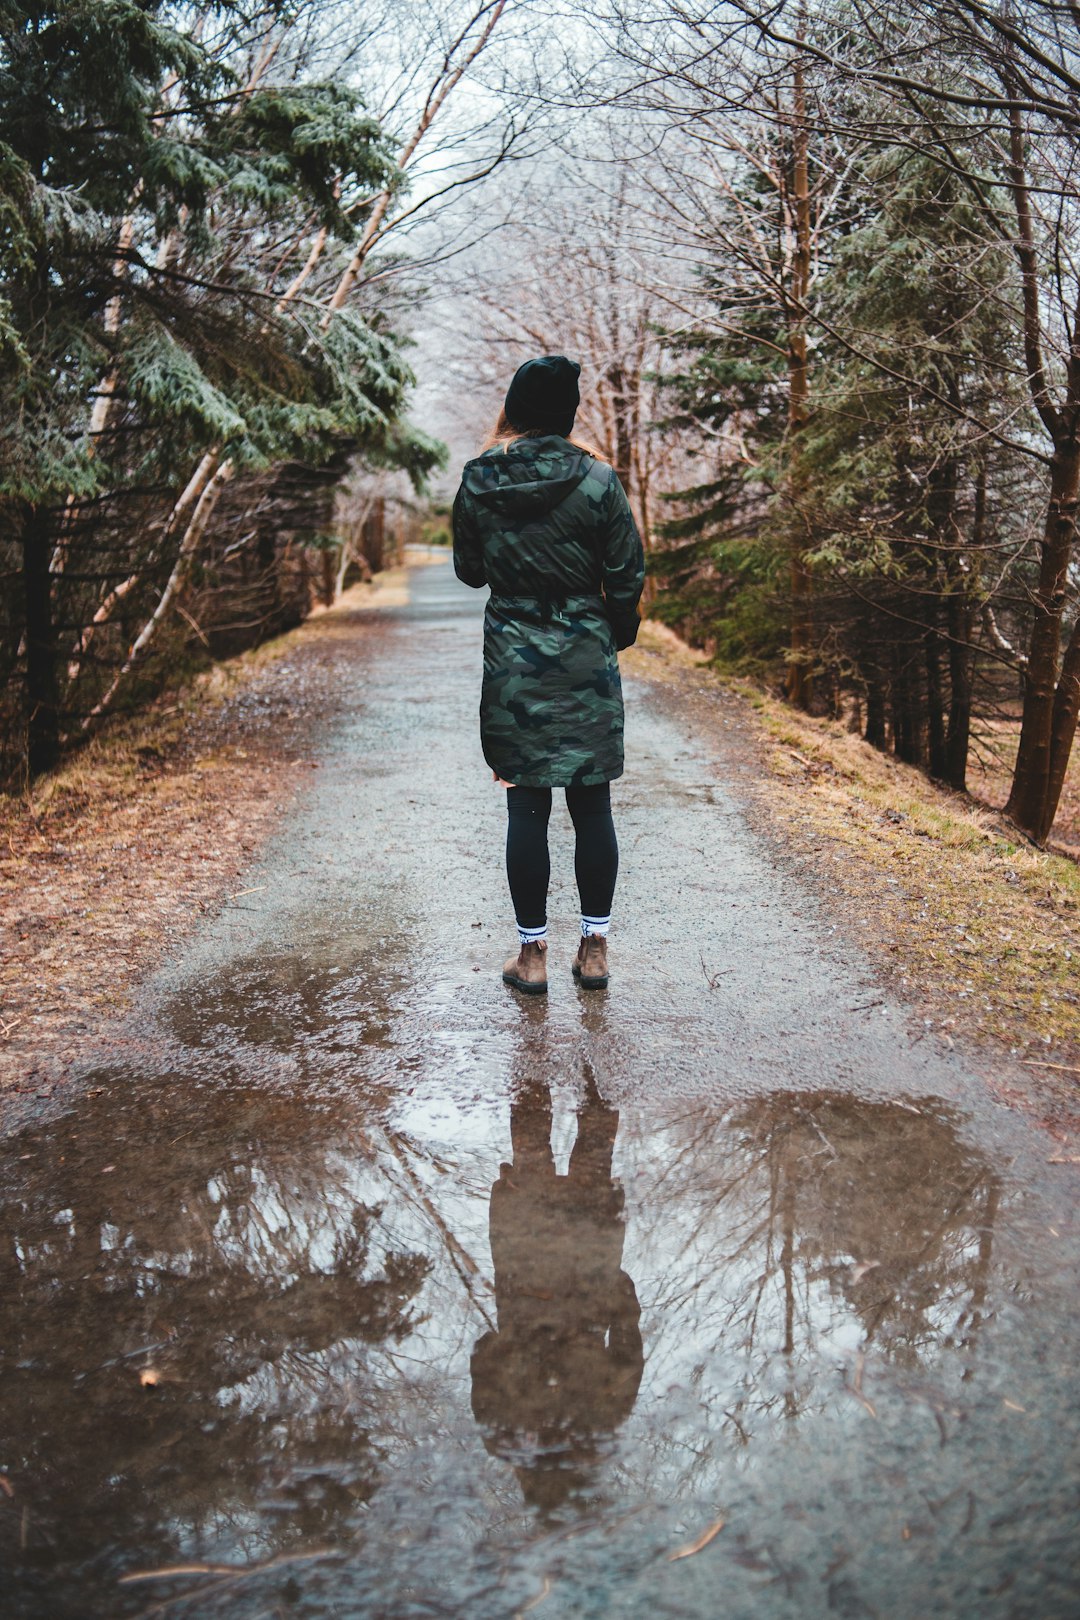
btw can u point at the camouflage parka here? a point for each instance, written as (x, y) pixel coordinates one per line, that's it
(549, 529)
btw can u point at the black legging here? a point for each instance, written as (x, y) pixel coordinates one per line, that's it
(528, 867)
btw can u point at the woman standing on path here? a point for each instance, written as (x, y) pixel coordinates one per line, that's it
(548, 527)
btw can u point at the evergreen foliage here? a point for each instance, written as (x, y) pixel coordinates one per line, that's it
(721, 569)
(907, 491)
(157, 196)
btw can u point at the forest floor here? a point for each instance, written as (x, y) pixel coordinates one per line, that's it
(155, 824)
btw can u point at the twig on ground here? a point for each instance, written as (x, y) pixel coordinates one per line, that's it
(168, 1570)
(856, 1386)
(535, 1602)
(711, 978)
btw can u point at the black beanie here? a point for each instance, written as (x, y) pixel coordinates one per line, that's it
(544, 394)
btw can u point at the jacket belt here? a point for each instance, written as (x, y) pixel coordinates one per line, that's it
(545, 604)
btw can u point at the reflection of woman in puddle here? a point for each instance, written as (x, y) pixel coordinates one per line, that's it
(563, 1369)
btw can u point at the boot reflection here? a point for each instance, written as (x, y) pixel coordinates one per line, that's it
(562, 1372)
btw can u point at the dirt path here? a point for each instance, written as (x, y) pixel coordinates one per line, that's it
(358, 1284)
(115, 861)
(119, 856)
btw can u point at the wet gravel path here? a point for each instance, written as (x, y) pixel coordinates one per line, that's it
(359, 1285)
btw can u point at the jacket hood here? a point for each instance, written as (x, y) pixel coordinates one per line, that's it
(527, 479)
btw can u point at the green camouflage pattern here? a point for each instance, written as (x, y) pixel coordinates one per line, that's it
(549, 529)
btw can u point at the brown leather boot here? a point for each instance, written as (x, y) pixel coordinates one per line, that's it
(590, 963)
(528, 969)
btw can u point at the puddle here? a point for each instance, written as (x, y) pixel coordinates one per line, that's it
(403, 1356)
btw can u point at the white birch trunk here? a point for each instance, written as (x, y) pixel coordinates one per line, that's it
(447, 80)
(196, 528)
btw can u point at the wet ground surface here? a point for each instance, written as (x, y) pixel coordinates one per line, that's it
(358, 1285)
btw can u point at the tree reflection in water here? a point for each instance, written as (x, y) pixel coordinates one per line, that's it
(561, 1372)
(814, 1228)
(254, 1278)
(306, 1283)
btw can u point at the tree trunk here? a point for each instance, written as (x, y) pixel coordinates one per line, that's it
(42, 652)
(905, 714)
(935, 705)
(960, 619)
(374, 541)
(329, 575)
(800, 676)
(961, 661)
(1063, 728)
(1029, 802)
(620, 408)
(941, 516)
(875, 706)
(1048, 725)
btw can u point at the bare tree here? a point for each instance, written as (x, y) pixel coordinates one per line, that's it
(580, 281)
(449, 128)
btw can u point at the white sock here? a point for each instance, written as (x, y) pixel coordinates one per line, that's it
(594, 925)
(532, 936)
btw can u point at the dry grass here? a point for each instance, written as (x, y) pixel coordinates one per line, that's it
(990, 768)
(119, 853)
(971, 919)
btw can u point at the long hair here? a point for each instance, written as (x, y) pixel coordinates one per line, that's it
(504, 434)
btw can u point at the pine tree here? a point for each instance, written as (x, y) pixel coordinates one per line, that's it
(721, 566)
(894, 493)
(152, 185)
(908, 494)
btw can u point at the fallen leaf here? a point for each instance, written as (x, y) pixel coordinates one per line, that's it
(535, 1602)
(856, 1387)
(696, 1546)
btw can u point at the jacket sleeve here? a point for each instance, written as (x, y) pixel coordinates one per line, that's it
(468, 551)
(624, 566)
